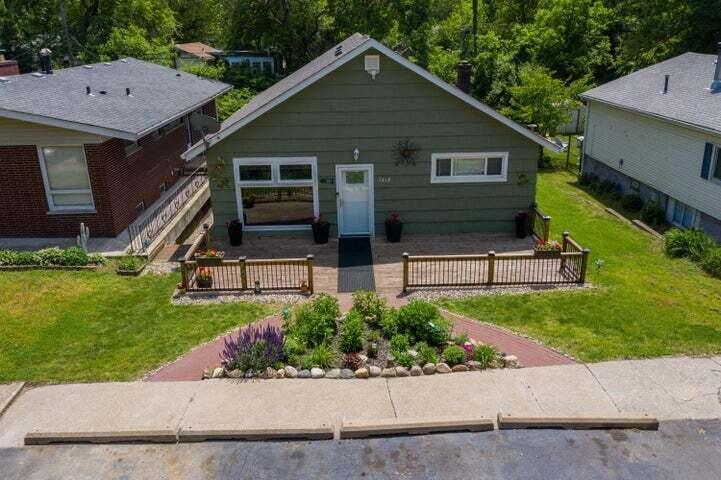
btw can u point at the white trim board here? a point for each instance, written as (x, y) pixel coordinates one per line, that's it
(227, 130)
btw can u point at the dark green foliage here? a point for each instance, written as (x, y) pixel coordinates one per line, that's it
(485, 354)
(130, 264)
(389, 322)
(711, 262)
(399, 344)
(691, 243)
(293, 349)
(454, 355)
(373, 336)
(632, 202)
(74, 257)
(50, 256)
(460, 339)
(26, 258)
(607, 186)
(426, 354)
(405, 359)
(314, 323)
(653, 213)
(369, 305)
(321, 356)
(351, 337)
(422, 322)
(587, 179)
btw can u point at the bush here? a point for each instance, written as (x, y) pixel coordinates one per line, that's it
(96, 259)
(653, 213)
(50, 256)
(460, 339)
(485, 354)
(369, 305)
(692, 243)
(399, 344)
(7, 257)
(632, 202)
(405, 359)
(26, 258)
(422, 322)
(321, 356)
(255, 349)
(130, 264)
(314, 323)
(373, 336)
(389, 322)
(426, 354)
(293, 349)
(351, 338)
(711, 262)
(607, 186)
(587, 179)
(74, 257)
(454, 355)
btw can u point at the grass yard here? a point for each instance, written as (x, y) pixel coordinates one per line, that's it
(646, 305)
(98, 326)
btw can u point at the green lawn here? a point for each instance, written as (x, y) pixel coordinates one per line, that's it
(97, 326)
(646, 305)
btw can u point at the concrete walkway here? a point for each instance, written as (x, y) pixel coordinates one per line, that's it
(670, 388)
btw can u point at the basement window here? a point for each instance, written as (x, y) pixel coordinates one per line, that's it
(469, 167)
(67, 181)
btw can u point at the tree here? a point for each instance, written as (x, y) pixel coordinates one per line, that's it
(413, 29)
(198, 20)
(370, 17)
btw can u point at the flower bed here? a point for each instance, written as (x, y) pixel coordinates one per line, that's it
(372, 340)
(73, 258)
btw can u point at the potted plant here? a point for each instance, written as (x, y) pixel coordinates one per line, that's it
(394, 227)
(550, 249)
(130, 266)
(204, 278)
(321, 230)
(209, 257)
(235, 232)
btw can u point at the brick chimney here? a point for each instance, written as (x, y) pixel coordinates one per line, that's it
(463, 76)
(8, 67)
(716, 83)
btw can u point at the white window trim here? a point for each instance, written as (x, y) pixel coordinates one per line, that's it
(503, 177)
(275, 181)
(48, 192)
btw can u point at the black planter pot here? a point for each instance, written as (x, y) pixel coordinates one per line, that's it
(235, 232)
(522, 224)
(393, 231)
(321, 232)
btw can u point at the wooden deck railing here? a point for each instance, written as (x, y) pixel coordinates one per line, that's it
(568, 266)
(540, 225)
(241, 274)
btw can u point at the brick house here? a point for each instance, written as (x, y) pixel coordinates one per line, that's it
(96, 144)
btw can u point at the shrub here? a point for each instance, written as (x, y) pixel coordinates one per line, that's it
(314, 323)
(369, 305)
(692, 243)
(389, 322)
(422, 322)
(632, 202)
(293, 349)
(586, 179)
(607, 186)
(96, 259)
(653, 213)
(454, 355)
(351, 338)
(74, 257)
(26, 258)
(321, 356)
(399, 344)
(405, 359)
(485, 355)
(256, 348)
(50, 256)
(130, 264)
(373, 336)
(460, 339)
(711, 262)
(7, 257)
(352, 361)
(426, 353)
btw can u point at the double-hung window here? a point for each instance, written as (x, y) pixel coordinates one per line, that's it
(716, 172)
(469, 167)
(276, 193)
(67, 182)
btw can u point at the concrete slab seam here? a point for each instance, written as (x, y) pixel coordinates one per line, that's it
(5, 406)
(390, 397)
(603, 387)
(179, 425)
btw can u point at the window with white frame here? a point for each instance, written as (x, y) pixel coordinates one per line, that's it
(469, 167)
(276, 192)
(716, 171)
(67, 182)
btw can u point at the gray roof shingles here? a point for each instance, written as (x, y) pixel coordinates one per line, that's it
(158, 95)
(688, 101)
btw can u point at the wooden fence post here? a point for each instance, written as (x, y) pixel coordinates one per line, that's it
(584, 265)
(309, 262)
(564, 245)
(546, 228)
(405, 271)
(243, 273)
(491, 267)
(183, 274)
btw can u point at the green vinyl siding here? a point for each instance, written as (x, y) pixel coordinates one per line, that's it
(347, 110)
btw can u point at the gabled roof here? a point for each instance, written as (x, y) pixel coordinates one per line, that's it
(198, 49)
(326, 63)
(688, 101)
(158, 96)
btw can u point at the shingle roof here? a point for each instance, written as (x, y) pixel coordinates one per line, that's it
(198, 49)
(159, 94)
(688, 101)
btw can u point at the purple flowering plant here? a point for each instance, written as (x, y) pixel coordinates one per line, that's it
(255, 348)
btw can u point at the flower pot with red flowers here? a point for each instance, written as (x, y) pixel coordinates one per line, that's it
(209, 257)
(321, 230)
(394, 227)
(550, 249)
(204, 278)
(235, 232)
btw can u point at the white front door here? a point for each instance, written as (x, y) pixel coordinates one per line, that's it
(354, 188)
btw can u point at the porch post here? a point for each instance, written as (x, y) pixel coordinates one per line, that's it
(243, 273)
(584, 265)
(405, 272)
(491, 267)
(309, 263)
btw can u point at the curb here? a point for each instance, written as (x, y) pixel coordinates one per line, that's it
(4, 407)
(140, 436)
(638, 421)
(414, 426)
(324, 432)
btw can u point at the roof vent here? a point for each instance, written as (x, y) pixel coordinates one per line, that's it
(716, 83)
(339, 50)
(124, 60)
(373, 65)
(665, 84)
(88, 67)
(4, 80)
(88, 92)
(103, 92)
(107, 64)
(127, 92)
(37, 75)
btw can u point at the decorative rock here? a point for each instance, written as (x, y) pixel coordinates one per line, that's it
(346, 373)
(474, 365)
(363, 358)
(443, 368)
(429, 368)
(280, 373)
(305, 373)
(207, 373)
(510, 361)
(317, 373)
(333, 373)
(362, 373)
(388, 372)
(374, 371)
(236, 373)
(389, 360)
(416, 371)
(269, 373)
(249, 374)
(459, 368)
(290, 372)
(218, 372)
(402, 372)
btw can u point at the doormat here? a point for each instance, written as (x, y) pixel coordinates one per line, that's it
(355, 265)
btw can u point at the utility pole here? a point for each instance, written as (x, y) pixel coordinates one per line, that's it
(66, 32)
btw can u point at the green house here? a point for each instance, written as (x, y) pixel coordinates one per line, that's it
(361, 132)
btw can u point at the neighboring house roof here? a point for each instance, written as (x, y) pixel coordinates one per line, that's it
(329, 61)
(688, 101)
(158, 96)
(197, 49)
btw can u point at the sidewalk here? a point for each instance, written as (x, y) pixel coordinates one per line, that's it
(670, 388)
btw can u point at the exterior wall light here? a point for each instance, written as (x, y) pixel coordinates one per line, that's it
(356, 154)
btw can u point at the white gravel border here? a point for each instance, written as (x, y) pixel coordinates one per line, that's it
(457, 293)
(218, 298)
